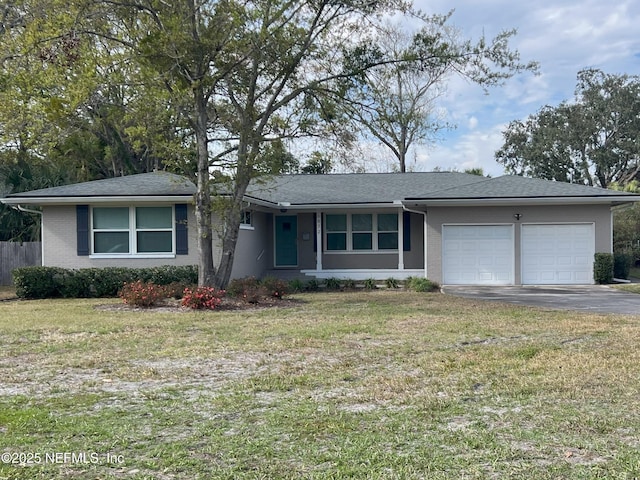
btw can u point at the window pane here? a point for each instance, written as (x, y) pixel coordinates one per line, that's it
(336, 241)
(388, 241)
(362, 241)
(388, 222)
(111, 242)
(336, 223)
(361, 222)
(154, 242)
(153, 217)
(111, 218)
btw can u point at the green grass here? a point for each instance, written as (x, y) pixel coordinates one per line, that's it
(372, 385)
(7, 292)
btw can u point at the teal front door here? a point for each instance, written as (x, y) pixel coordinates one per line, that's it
(286, 240)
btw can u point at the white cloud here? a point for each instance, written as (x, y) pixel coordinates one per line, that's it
(472, 150)
(564, 36)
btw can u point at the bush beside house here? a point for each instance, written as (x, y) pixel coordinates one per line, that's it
(55, 282)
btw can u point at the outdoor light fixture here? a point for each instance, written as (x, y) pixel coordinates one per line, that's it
(518, 216)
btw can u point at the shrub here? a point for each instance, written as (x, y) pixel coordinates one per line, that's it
(37, 282)
(296, 285)
(391, 283)
(312, 285)
(247, 289)
(603, 268)
(332, 283)
(74, 284)
(51, 282)
(622, 265)
(421, 284)
(176, 289)
(107, 282)
(349, 284)
(275, 287)
(142, 294)
(201, 298)
(370, 284)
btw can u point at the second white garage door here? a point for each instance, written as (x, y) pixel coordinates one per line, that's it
(558, 254)
(477, 254)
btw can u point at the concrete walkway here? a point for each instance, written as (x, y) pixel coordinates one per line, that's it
(587, 298)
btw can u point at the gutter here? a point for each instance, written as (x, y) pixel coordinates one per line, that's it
(37, 212)
(26, 210)
(89, 199)
(512, 201)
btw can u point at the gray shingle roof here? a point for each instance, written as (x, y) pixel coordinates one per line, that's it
(143, 184)
(516, 187)
(339, 189)
(356, 188)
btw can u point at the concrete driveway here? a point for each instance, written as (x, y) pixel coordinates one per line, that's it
(587, 298)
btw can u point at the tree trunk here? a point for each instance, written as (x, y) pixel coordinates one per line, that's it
(206, 271)
(229, 237)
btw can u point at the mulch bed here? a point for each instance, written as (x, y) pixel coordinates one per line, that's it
(228, 304)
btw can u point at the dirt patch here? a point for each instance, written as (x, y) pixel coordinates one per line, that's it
(228, 304)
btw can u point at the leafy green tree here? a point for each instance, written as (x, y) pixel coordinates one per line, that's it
(20, 172)
(396, 100)
(591, 141)
(318, 164)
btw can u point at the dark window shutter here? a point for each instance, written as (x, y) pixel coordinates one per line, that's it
(82, 229)
(182, 233)
(406, 229)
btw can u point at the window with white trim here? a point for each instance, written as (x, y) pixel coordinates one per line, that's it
(361, 232)
(132, 230)
(245, 220)
(387, 231)
(336, 228)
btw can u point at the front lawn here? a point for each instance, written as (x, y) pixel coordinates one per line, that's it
(365, 385)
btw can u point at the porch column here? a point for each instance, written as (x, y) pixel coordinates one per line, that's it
(424, 242)
(318, 240)
(401, 239)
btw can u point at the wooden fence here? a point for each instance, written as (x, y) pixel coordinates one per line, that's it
(16, 254)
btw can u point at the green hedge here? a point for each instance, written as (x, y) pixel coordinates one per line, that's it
(603, 268)
(53, 282)
(622, 265)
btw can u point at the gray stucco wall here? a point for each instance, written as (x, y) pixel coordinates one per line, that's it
(60, 249)
(59, 245)
(600, 215)
(252, 256)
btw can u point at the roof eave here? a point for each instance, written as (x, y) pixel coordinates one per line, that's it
(337, 206)
(521, 201)
(17, 200)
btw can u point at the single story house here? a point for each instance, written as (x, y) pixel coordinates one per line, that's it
(453, 228)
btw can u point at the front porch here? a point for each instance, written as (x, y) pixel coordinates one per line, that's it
(348, 244)
(364, 274)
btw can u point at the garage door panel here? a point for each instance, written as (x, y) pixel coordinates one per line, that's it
(477, 254)
(557, 254)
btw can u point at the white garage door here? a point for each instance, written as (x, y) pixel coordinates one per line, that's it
(477, 254)
(558, 254)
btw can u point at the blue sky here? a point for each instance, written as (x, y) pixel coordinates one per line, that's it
(564, 36)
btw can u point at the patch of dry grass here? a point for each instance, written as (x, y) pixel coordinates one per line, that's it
(382, 384)
(7, 292)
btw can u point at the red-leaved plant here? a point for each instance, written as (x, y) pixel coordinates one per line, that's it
(141, 294)
(202, 298)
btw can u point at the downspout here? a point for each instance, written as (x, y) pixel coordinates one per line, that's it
(37, 212)
(424, 241)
